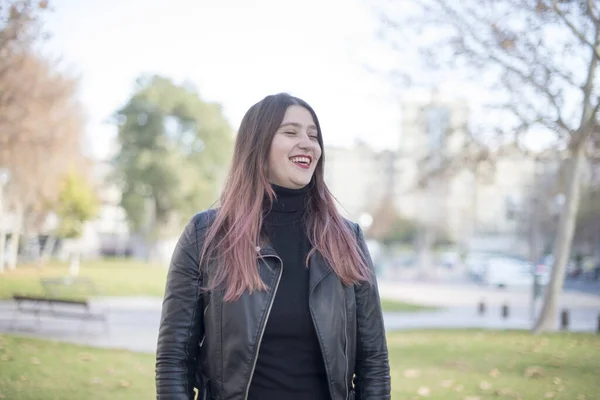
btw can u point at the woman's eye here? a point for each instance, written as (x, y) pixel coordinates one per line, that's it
(314, 137)
(290, 133)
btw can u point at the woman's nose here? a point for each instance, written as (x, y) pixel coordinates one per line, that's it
(305, 141)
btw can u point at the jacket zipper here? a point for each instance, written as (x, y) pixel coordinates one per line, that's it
(262, 331)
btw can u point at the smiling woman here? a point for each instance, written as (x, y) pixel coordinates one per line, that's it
(273, 295)
(295, 149)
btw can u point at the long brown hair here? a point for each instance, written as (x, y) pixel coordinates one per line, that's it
(233, 237)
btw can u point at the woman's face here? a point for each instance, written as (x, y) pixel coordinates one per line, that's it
(295, 150)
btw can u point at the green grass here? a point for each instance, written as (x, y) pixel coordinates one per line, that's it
(494, 365)
(45, 370)
(389, 305)
(116, 278)
(112, 278)
(445, 365)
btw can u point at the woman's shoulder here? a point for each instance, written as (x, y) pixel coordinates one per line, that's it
(354, 227)
(204, 218)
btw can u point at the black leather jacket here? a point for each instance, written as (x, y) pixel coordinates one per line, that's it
(212, 345)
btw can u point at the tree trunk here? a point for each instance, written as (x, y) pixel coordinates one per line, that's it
(47, 250)
(562, 243)
(15, 236)
(2, 247)
(425, 256)
(2, 231)
(75, 261)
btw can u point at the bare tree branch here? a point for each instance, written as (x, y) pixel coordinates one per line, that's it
(574, 29)
(590, 9)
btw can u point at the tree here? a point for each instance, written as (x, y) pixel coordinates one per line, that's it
(77, 203)
(41, 123)
(390, 228)
(20, 30)
(588, 218)
(173, 152)
(538, 60)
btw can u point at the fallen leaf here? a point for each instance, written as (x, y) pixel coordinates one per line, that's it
(96, 381)
(459, 365)
(472, 398)
(557, 381)
(424, 391)
(447, 383)
(549, 395)
(35, 361)
(86, 357)
(124, 384)
(459, 388)
(494, 373)
(534, 372)
(485, 385)
(5, 357)
(23, 378)
(412, 373)
(504, 392)
(581, 397)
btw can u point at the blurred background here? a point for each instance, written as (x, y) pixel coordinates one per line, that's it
(463, 137)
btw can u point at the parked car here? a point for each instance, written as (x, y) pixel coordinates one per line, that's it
(476, 263)
(544, 267)
(510, 272)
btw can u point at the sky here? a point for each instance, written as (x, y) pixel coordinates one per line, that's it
(235, 52)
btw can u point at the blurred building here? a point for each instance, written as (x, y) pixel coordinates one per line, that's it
(111, 225)
(433, 130)
(108, 233)
(359, 178)
(479, 208)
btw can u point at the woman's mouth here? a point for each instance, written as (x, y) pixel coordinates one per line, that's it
(302, 161)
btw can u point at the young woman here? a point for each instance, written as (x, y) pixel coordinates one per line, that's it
(272, 296)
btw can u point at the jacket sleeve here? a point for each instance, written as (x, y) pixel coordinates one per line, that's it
(372, 370)
(181, 324)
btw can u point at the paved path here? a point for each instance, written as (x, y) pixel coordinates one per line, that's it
(469, 295)
(133, 322)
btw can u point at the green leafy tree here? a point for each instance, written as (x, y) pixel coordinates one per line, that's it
(77, 204)
(174, 148)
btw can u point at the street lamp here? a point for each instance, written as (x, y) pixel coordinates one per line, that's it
(4, 177)
(365, 221)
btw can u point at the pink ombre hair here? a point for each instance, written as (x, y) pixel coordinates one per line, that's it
(233, 237)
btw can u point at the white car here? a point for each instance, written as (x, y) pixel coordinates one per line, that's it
(476, 262)
(510, 271)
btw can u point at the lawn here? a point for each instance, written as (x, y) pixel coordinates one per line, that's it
(111, 277)
(116, 278)
(390, 305)
(436, 365)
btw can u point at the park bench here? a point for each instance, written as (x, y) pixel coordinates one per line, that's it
(55, 304)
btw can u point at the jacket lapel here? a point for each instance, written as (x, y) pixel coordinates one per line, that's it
(318, 269)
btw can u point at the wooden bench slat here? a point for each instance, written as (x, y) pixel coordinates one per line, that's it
(43, 299)
(65, 314)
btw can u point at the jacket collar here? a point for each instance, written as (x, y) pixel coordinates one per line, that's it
(318, 268)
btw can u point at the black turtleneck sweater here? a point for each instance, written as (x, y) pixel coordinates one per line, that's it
(290, 365)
